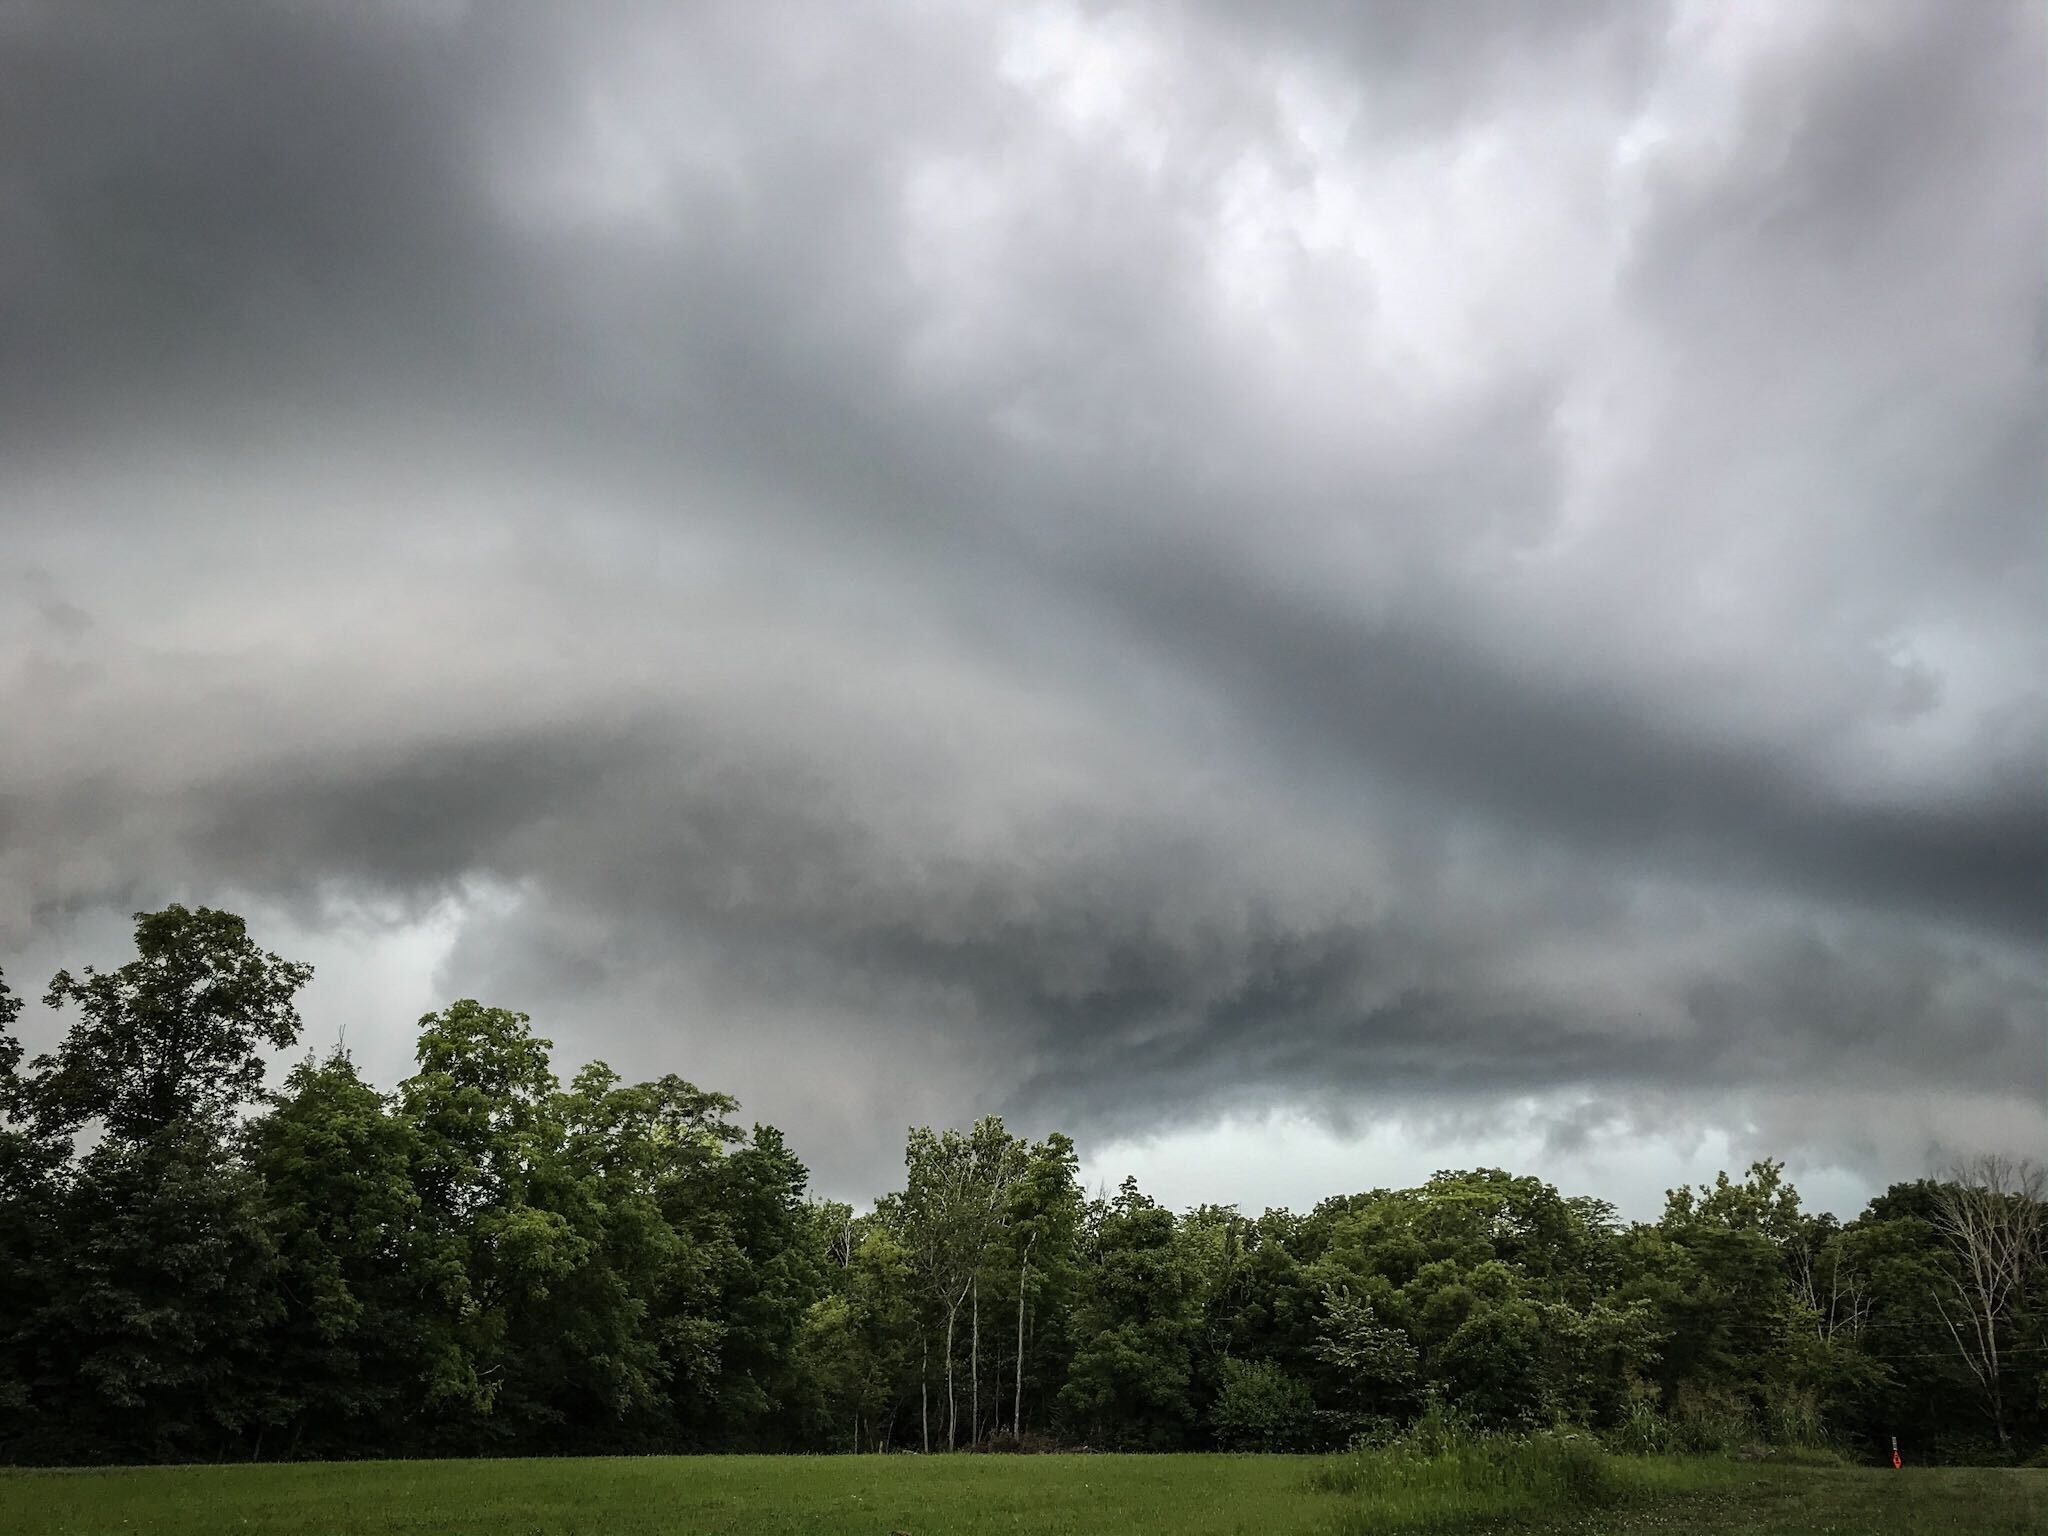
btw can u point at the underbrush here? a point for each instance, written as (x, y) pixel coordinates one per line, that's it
(1448, 1478)
(1005, 1442)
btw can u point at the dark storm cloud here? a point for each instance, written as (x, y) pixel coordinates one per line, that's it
(1107, 562)
(226, 200)
(1413, 704)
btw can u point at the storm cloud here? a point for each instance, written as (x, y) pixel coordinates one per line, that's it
(1134, 566)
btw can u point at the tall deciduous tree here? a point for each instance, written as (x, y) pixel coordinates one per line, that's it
(10, 1053)
(952, 1211)
(170, 1272)
(1372, 1367)
(1044, 1221)
(1135, 1327)
(336, 1168)
(168, 1300)
(858, 1342)
(30, 1161)
(483, 1109)
(175, 1034)
(1992, 1215)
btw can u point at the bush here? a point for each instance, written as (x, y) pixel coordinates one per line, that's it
(1262, 1408)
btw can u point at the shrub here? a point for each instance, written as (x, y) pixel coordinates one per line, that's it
(1262, 1408)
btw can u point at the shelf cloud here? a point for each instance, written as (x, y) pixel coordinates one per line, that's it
(1125, 565)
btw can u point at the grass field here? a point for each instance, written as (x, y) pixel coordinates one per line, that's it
(966, 1495)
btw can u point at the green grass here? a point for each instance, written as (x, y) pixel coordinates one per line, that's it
(745, 1496)
(1476, 1481)
(965, 1495)
(1845, 1501)
(1526, 1490)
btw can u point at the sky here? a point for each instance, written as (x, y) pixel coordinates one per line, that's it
(1308, 593)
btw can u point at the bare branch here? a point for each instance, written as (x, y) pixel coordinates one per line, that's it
(1992, 1214)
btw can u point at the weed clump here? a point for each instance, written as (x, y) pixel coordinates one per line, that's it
(1443, 1471)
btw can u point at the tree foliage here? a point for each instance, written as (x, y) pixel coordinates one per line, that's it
(174, 1035)
(488, 1259)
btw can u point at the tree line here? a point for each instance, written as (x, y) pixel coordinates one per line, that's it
(485, 1259)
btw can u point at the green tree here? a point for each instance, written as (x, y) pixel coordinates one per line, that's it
(169, 1293)
(855, 1354)
(711, 1243)
(487, 1260)
(335, 1164)
(1720, 1266)
(11, 1086)
(1135, 1327)
(169, 1272)
(32, 1164)
(1493, 1365)
(1043, 1228)
(591, 1351)
(487, 1137)
(1369, 1370)
(767, 1279)
(951, 1215)
(176, 1034)
(661, 1147)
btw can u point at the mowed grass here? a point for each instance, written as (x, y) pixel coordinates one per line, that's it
(740, 1495)
(963, 1495)
(1546, 1486)
(1842, 1501)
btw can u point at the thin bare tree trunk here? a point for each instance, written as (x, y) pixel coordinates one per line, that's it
(952, 1403)
(974, 1367)
(924, 1395)
(1994, 1214)
(1023, 1275)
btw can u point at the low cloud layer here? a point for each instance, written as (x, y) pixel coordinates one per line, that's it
(1473, 568)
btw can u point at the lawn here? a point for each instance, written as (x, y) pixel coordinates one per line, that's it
(1805, 1502)
(877, 1496)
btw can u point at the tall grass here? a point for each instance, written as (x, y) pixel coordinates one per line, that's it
(1787, 1429)
(1450, 1482)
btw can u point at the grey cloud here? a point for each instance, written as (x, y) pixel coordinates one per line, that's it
(1111, 563)
(1425, 67)
(1555, 759)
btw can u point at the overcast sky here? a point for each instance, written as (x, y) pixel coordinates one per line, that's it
(1308, 592)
